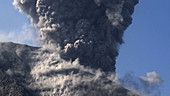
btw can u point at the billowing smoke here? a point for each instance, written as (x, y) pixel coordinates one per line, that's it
(81, 40)
(90, 30)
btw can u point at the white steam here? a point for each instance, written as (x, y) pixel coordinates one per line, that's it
(27, 35)
(54, 76)
(149, 85)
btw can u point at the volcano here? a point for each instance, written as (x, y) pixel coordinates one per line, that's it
(80, 45)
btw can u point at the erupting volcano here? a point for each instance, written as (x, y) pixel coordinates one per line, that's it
(80, 39)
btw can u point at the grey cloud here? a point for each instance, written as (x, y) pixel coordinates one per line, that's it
(90, 30)
(81, 40)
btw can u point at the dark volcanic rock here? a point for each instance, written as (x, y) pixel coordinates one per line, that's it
(15, 57)
(10, 87)
(14, 68)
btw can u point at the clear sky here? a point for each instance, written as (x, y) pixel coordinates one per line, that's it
(147, 42)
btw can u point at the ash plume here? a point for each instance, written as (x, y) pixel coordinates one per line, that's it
(81, 40)
(90, 30)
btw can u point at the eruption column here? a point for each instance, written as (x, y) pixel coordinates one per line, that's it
(90, 30)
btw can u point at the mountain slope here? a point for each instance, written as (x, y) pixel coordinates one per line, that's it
(17, 78)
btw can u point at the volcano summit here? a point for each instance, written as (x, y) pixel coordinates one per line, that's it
(81, 40)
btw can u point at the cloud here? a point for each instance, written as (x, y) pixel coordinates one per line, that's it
(90, 30)
(27, 35)
(149, 85)
(152, 78)
(152, 83)
(3, 37)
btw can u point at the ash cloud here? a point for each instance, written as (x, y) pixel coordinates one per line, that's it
(90, 30)
(54, 76)
(81, 40)
(42, 72)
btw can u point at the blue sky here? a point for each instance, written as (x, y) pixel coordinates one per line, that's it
(147, 42)
(14, 25)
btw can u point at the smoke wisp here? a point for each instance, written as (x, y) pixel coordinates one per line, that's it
(149, 85)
